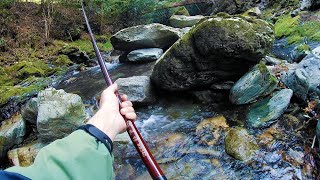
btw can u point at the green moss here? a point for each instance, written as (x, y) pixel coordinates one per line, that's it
(25, 69)
(297, 31)
(63, 60)
(286, 26)
(31, 85)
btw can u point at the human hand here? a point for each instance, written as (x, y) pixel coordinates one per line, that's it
(108, 118)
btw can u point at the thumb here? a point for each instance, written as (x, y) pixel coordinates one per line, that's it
(112, 88)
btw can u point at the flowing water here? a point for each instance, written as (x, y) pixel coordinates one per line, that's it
(169, 128)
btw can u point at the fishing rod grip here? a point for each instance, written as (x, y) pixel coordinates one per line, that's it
(144, 152)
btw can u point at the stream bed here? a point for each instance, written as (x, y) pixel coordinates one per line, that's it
(186, 150)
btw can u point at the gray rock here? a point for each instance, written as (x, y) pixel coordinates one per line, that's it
(255, 11)
(59, 114)
(138, 89)
(298, 81)
(12, 132)
(311, 65)
(219, 49)
(145, 36)
(257, 82)
(181, 21)
(240, 145)
(266, 111)
(30, 111)
(151, 54)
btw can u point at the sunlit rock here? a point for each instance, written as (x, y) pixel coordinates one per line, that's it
(181, 21)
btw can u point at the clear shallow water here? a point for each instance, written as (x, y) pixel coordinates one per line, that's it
(169, 129)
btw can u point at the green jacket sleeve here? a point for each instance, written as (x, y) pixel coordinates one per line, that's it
(77, 156)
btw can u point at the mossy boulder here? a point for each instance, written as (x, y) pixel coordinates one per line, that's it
(221, 48)
(257, 82)
(12, 132)
(63, 60)
(240, 145)
(145, 36)
(268, 110)
(299, 52)
(59, 114)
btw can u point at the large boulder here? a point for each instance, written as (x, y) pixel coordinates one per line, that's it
(59, 114)
(25, 156)
(145, 55)
(221, 48)
(12, 132)
(145, 36)
(257, 82)
(181, 21)
(138, 89)
(240, 145)
(268, 110)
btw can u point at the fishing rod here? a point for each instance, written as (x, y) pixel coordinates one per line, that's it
(144, 152)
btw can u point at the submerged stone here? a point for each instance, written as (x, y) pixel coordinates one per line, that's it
(12, 132)
(210, 130)
(266, 111)
(257, 82)
(59, 114)
(240, 145)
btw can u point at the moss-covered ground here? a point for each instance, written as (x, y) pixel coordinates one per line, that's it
(297, 30)
(27, 70)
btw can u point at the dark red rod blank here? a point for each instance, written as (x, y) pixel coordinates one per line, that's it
(144, 152)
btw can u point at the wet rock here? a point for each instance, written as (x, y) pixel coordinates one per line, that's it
(30, 111)
(299, 52)
(295, 157)
(240, 145)
(257, 82)
(181, 21)
(298, 81)
(266, 111)
(59, 114)
(123, 138)
(145, 36)
(311, 65)
(12, 132)
(219, 49)
(25, 156)
(142, 55)
(138, 89)
(210, 130)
